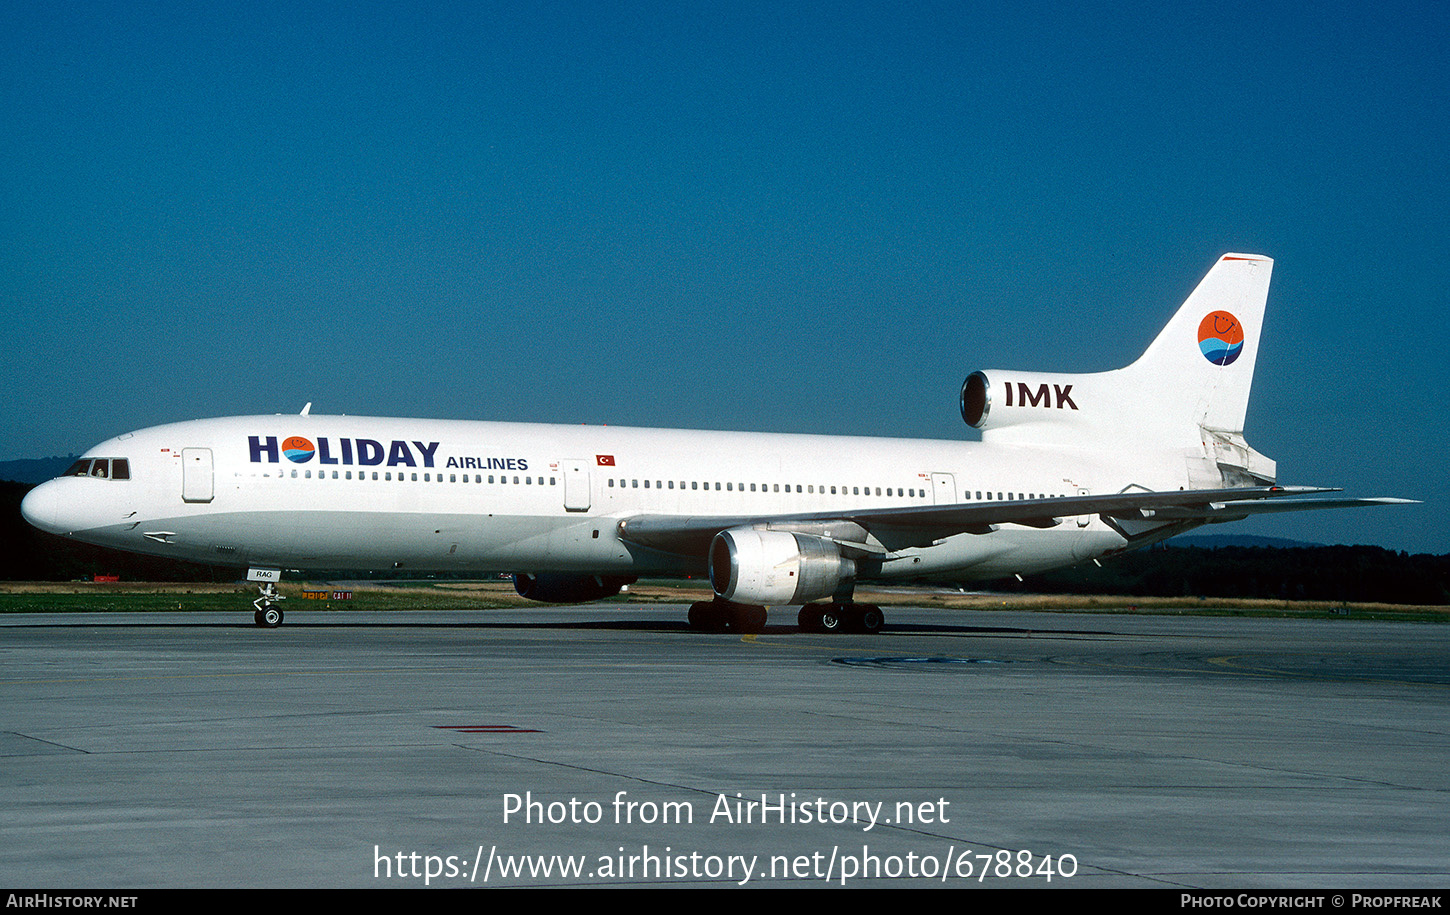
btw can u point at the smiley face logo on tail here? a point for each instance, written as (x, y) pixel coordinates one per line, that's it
(1220, 337)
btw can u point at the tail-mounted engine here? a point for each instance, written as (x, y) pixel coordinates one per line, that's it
(997, 399)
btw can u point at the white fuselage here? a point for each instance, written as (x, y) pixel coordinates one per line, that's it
(375, 493)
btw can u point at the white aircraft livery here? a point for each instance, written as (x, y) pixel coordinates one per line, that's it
(1069, 468)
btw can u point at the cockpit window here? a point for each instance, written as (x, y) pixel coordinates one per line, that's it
(101, 468)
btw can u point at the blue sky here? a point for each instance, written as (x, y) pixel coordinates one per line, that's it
(775, 216)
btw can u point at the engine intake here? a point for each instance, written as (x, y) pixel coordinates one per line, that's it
(997, 399)
(776, 567)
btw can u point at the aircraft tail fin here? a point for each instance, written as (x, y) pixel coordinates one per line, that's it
(1189, 389)
(1201, 365)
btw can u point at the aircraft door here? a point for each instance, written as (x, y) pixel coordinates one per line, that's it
(576, 485)
(943, 489)
(196, 475)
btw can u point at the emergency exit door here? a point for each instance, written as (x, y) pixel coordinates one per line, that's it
(196, 475)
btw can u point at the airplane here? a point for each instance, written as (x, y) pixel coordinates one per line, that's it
(1070, 467)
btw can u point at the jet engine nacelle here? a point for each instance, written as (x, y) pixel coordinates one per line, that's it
(568, 589)
(776, 567)
(994, 399)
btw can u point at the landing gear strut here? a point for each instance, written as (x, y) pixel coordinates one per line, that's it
(268, 613)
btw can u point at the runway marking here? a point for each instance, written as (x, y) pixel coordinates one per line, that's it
(487, 729)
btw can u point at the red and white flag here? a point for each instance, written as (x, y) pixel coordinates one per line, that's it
(605, 460)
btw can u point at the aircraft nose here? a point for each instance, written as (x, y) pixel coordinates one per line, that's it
(41, 507)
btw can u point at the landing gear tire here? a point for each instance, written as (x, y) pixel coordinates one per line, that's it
(747, 618)
(707, 616)
(868, 618)
(833, 618)
(269, 617)
(842, 617)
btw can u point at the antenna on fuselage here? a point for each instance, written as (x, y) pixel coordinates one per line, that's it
(307, 409)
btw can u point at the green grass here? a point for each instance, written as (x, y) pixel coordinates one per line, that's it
(129, 597)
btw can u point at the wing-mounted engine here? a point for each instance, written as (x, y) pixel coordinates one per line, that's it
(568, 589)
(776, 567)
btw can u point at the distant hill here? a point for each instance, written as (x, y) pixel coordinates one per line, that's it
(1218, 541)
(35, 470)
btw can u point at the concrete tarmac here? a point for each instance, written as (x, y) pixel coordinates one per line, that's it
(608, 745)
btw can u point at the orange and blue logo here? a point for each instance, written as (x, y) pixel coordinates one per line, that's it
(1220, 337)
(298, 449)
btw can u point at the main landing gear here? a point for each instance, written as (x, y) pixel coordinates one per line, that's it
(720, 615)
(842, 616)
(268, 613)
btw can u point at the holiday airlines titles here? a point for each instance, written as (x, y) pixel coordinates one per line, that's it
(367, 452)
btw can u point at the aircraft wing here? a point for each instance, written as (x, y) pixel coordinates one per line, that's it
(876, 531)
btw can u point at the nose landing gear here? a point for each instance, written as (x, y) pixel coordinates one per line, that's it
(269, 614)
